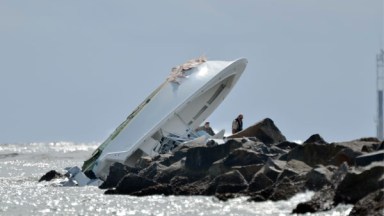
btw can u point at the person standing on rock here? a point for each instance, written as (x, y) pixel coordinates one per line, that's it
(237, 124)
(206, 128)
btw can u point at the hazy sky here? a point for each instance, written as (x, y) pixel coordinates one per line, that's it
(74, 70)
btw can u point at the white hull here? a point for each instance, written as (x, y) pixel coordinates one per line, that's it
(175, 108)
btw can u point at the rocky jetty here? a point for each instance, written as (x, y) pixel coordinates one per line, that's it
(261, 164)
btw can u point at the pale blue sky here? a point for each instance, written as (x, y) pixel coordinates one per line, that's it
(73, 70)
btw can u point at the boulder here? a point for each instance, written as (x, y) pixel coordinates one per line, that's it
(131, 183)
(201, 158)
(358, 145)
(366, 159)
(116, 172)
(286, 145)
(293, 170)
(320, 201)
(359, 184)
(273, 168)
(372, 204)
(265, 131)
(167, 173)
(345, 155)
(315, 138)
(143, 162)
(243, 157)
(298, 166)
(339, 174)
(52, 174)
(381, 146)
(286, 189)
(259, 182)
(317, 178)
(179, 186)
(169, 159)
(230, 182)
(313, 153)
(158, 189)
(151, 171)
(218, 168)
(248, 171)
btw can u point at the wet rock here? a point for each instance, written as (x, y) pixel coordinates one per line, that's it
(248, 171)
(116, 172)
(158, 189)
(317, 178)
(230, 182)
(372, 204)
(198, 187)
(366, 159)
(264, 167)
(143, 162)
(167, 173)
(259, 182)
(169, 159)
(132, 183)
(201, 158)
(357, 185)
(273, 168)
(380, 147)
(218, 168)
(321, 201)
(358, 145)
(286, 189)
(153, 170)
(244, 157)
(339, 174)
(265, 131)
(313, 154)
(52, 174)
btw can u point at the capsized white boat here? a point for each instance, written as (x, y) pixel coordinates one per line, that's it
(169, 115)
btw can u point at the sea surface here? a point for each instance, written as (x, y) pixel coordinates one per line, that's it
(21, 166)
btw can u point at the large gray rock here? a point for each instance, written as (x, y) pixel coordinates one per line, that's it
(244, 157)
(52, 174)
(131, 183)
(372, 204)
(248, 171)
(265, 130)
(359, 144)
(167, 173)
(187, 186)
(230, 182)
(201, 158)
(259, 182)
(357, 185)
(116, 172)
(273, 168)
(313, 153)
(152, 170)
(321, 201)
(315, 138)
(366, 159)
(317, 178)
(286, 189)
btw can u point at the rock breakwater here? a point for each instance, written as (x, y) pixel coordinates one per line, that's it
(261, 164)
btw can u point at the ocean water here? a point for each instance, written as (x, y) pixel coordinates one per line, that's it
(21, 166)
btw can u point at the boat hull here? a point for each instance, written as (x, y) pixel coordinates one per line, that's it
(176, 108)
